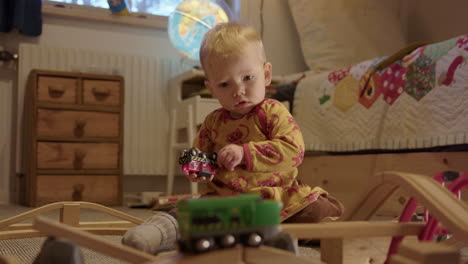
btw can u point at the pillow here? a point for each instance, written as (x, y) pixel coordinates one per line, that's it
(339, 33)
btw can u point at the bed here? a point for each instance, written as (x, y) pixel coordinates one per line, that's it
(412, 100)
(372, 102)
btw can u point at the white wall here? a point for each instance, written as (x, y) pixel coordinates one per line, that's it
(436, 20)
(423, 20)
(60, 32)
(280, 38)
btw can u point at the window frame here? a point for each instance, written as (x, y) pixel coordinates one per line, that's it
(90, 13)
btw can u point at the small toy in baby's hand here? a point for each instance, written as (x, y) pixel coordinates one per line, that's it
(201, 163)
(118, 7)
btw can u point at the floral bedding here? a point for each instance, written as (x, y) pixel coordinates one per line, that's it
(419, 100)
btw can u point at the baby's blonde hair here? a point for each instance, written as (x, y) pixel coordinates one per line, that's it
(228, 39)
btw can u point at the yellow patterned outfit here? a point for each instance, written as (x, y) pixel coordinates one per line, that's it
(273, 149)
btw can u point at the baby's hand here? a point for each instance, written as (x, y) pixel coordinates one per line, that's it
(194, 178)
(230, 156)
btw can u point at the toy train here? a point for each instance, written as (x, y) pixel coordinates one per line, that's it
(203, 164)
(210, 223)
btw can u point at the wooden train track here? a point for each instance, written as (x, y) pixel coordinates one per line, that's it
(442, 204)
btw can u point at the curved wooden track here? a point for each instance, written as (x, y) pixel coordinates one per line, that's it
(69, 214)
(442, 204)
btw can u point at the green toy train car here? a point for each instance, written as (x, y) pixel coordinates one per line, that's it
(210, 223)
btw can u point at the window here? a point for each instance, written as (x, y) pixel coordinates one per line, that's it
(145, 13)
(155, 7)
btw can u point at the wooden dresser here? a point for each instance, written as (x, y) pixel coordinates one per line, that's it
(73, 138)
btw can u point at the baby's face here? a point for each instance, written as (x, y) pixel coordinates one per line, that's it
(239, 82)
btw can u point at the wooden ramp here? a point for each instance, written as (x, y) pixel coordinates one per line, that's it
(236, 255)
(441, 203)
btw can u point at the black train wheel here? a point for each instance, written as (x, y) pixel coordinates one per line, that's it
(187, 246)
(214, 156)
(193, 152)
(203, 244)
(252, 240)
(227, 241)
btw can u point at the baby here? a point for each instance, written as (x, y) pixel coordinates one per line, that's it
(258, 142)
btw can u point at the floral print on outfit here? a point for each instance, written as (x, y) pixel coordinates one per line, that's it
(273, 149)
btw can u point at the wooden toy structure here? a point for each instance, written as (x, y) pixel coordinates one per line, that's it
(439, 201)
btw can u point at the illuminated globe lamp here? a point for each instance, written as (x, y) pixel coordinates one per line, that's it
(189, 22)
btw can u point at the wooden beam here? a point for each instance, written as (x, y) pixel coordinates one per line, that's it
(429, 253)
(397, 259)
(8, 259)
(269, 255)
(70, 214)
(225, 256)
(28, 233)
(81, 225)
(331, 250)
(112, 212)
(82, 238)
(121, 224)
(14, 234)
(353, 229)
(29, 214)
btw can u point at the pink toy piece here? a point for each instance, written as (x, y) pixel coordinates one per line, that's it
(201, 163)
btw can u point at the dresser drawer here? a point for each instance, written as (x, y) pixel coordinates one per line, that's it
(77, 123)
(73, 138)
(102, 189)
(52, 155)
(99, 92)
(57, 89)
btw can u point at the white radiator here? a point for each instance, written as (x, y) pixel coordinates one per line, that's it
(146, 97)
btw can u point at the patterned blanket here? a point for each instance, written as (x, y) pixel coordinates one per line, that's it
(418, 100)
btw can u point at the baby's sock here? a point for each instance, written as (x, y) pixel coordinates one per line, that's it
(157, 233)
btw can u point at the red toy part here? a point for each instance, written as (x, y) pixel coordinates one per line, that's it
(199, 168)
(432, 228)
(201, 163)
